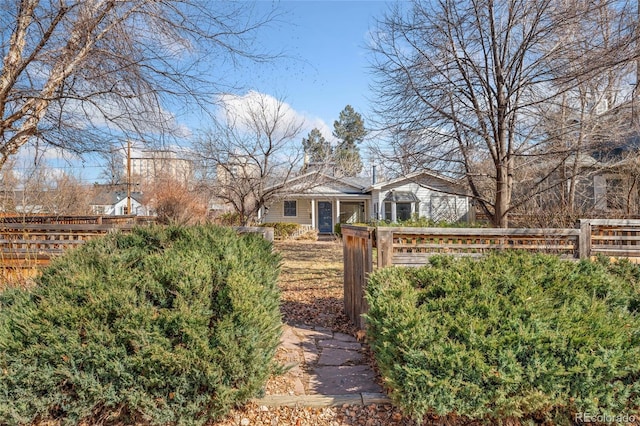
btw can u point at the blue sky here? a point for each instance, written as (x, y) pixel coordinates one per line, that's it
(324, 66)
(327, 40)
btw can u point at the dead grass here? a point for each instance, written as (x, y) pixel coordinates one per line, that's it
(18, 278)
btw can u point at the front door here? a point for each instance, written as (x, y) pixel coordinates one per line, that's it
(325, 218)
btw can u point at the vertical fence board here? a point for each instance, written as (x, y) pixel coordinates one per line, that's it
(357, 253)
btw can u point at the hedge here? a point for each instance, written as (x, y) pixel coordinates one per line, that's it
(282, 230)
(511, 336)
(168, 325)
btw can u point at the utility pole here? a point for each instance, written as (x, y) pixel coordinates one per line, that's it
(128, 177)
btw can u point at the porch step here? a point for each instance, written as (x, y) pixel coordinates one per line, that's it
(328, 237)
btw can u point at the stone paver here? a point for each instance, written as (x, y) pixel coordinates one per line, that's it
(343, 380)
(330, 370)
(333, 356)
(339, 344)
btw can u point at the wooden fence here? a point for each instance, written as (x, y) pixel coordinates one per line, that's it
(59, 220)
(24, 246)
(413, 247)
(357, 255)
(31, 241)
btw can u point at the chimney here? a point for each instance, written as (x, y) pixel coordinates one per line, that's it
(373, 175)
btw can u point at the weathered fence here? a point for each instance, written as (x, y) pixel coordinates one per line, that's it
(357, 253)
(27, 242)
(413, 247)
(58, 219)
(266, 232)
(32, 244)
(613, 238)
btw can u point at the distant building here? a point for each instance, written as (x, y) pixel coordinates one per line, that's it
(109, 202)
(151, 165)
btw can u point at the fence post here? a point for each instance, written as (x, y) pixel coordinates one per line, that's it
(357, 246)
(584, 241)
(384, 239)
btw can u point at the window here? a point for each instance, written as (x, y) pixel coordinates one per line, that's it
(403, 211)
(290, 208)
(387, 211)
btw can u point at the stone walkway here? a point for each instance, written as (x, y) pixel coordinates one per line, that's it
(329, 369)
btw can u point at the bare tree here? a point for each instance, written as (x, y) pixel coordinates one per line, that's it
(174, 201)
(113, 172)
(594, 115)
(468, 79)
(35, 188)
(84, 74)
(67, 195)
(255, 152)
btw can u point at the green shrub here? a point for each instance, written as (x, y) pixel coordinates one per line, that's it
(282, 230)
(513, 335)
(229, 219)
(173, 325)
(416, 221)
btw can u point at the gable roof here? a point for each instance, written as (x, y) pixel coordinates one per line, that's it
(111, 198)
(419, 177)
(326, 184)
(320, 178)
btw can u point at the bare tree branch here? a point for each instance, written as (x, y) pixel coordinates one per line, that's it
(84, 74)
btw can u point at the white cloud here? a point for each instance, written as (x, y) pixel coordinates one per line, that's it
(238, 109)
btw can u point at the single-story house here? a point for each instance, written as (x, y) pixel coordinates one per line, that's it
(114, 203)
(333, 200)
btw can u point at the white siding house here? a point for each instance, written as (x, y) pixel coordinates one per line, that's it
(355, 200)
(114, 203)
(422, 194)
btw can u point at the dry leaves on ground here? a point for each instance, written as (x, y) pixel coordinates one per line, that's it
(311, 285)
(371, 415)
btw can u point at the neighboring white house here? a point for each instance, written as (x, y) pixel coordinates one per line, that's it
(355, 200)
(114, 203)
(424, 194)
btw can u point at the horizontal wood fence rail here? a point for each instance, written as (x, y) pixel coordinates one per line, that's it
(54, 219)
(613, 237)
(266, 232)
(34, 244)
(413, 246)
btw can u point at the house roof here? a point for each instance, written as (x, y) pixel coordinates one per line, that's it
(419, 177)
(320, 178)
(401, 197)
(110, 198)
(326, 184)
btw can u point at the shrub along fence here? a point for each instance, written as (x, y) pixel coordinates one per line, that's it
(27, 242)
(405, 246)
(163, 325)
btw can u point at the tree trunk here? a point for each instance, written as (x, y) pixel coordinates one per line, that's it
(503, 198)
